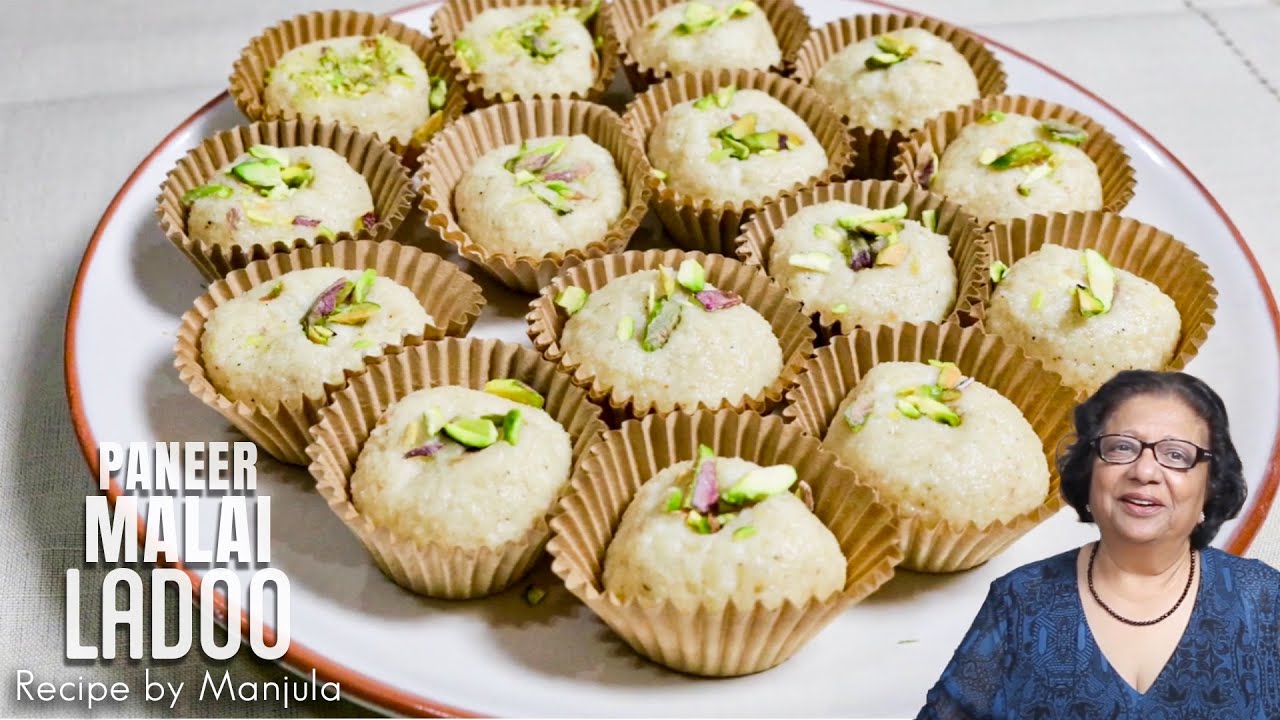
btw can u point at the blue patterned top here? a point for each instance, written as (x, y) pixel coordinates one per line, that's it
(1030, 653)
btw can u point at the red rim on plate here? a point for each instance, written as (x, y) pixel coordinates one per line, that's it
(382, 695)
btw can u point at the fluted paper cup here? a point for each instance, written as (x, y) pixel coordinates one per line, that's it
(715, 639)
(449, 295)
(930, 543)
(699, 223)
(969, 249)
(790, 326)
(875, 148)
(437, 569)
(388, 184)
(453, 152)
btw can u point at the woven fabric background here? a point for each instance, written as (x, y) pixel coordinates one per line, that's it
(91, 87)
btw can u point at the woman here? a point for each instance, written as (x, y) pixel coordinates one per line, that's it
(1148, 622)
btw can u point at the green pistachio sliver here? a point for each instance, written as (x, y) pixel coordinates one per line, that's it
(895, 46)
(324, 232)
(908, 408)
(533, 595)
(478, 433)
(204, 191)
(318, 334)
(675, 499)
(296, 176)
(828, 233)
(929, 218)
(468, 54)
(744, 532)
(691, 275)
(698, 522)
(255, 340)
(258, 218)
(511, 424)
(720, 98)
(882, 60)
(258, 173)
(524, 177)
(1025, 154)
(354, 314)
(991, 118)
(658, 174)
(840, 309)
(1037, 174)
(362, 344)
(439, 94)
(998, 270)
(363, 285)
(854, 222)
(572, 299)
(814, 261)
(268, 152)
(515, 391)
(663, 321)
(626, 328)
(274, 292)
(1058, 131)
(586, 12)
(698, 16)
(718, 155)
(1037, 299)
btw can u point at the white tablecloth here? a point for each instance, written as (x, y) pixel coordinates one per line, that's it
(91, 87)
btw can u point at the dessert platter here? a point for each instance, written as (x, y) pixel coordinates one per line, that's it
(653, 357)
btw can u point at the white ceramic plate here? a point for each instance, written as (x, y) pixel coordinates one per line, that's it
(498, 656)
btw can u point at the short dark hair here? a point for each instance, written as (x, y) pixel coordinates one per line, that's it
(1227, 490)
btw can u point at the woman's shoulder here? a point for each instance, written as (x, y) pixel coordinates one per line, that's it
(1243, 576)
(1051, 572)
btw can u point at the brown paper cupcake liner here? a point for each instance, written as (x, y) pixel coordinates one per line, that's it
(969, 250)
(450, 20)
(1114, 169)
(700, 224)
(435, 569)
(934, 545)
(249, 74)
(1145, 251)
(784, 315)
(454, 151)
(388, 184)
(449, 295)
(715, 640)
(789, 21)
(875, 148)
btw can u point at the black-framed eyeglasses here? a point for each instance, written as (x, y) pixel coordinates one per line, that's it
(1173, 454)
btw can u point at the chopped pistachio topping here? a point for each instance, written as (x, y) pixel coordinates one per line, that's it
(363, 285)
(586, 12)
(988, 156)
(893, 50)
(534, 595)
(741, 140)
(267, 152)
(929, 218)
(1100, 285)
(1037, 299)
(675, 500)
(204, 191)
(991, 118)
(529, 36)
(1037, 173)
(666, 281)
(626, 328)
(439, 94)
(1025, 154)
(355, 72)
(476, 433)
(324, 232)
(468, 55)
(815, 261)
(759, 484)
(857, 412)
(662, 322)
(892, 254)
(1062, 132)
(658, 174)
(555, 185)
(853, 222)
(744, 532)
(511, 424)
(830, 234)
(274, 292)
(720, 98)
(255, 340)
(700, 17)
(572, 299)
(998, 270)
(840, 309)
(332, 306)
(691, 275)
(515, 391)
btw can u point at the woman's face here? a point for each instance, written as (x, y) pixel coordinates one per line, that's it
(1143, 501)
